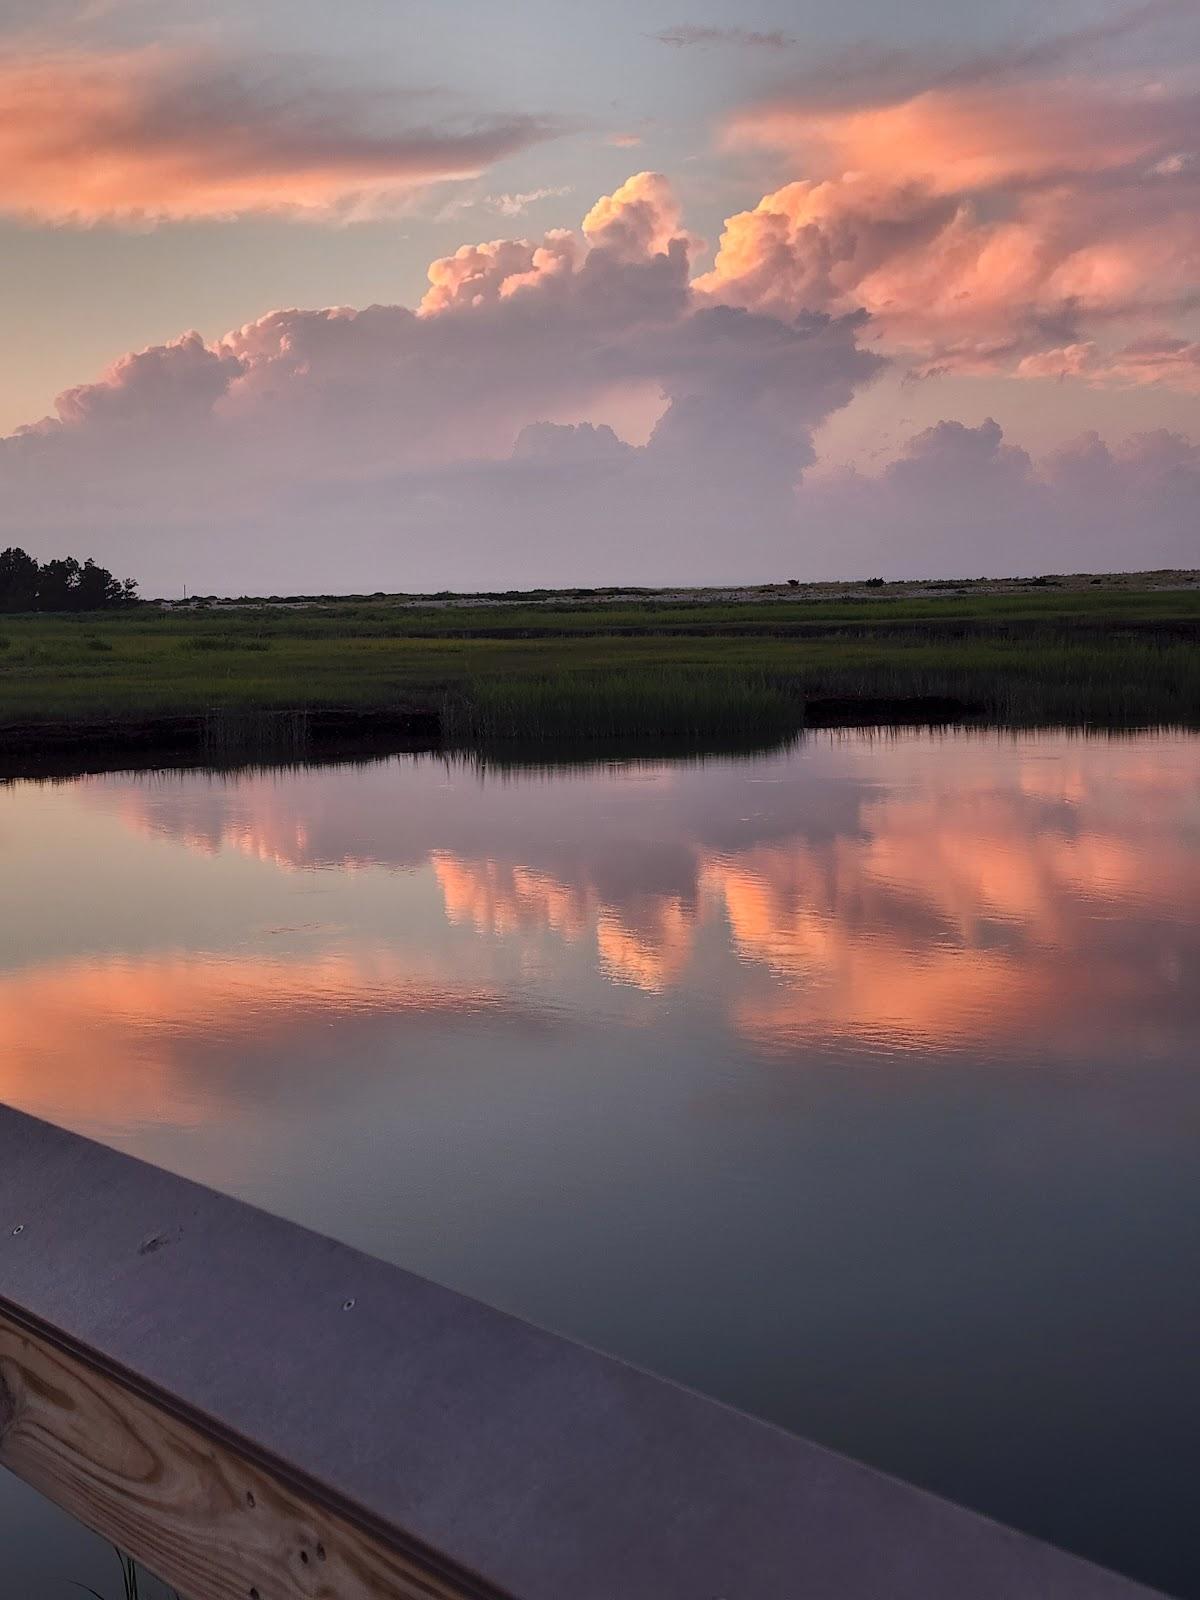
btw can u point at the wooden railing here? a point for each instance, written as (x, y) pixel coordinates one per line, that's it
(259, 1413)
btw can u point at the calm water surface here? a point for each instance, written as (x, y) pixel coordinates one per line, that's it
(856, 1085)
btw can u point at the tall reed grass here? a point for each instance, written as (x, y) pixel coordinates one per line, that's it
(646, 704)
(1125, 683)
(241, 736)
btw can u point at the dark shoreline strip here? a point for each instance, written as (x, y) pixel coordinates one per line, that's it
(230, 738)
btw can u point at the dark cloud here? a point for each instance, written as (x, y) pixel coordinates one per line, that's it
(688, 34)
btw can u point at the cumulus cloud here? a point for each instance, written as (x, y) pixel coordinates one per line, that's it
(484, 439)
(234, 461)
(169, 384)
(161, 133)
(983, 224)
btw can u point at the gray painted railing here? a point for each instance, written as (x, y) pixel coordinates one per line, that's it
(256, 1411)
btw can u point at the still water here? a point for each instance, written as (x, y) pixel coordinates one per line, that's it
(856, 1084)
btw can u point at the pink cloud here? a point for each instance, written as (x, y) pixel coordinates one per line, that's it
(1160, 358)
(639, 223)
(640, 218)
(980, 136)
(984, 226)
(478, 273)
(1066, 361)
(154, 133)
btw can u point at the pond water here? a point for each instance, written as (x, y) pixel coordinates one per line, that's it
(856, 1084)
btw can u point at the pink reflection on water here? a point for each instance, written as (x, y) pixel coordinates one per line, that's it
(889, 896)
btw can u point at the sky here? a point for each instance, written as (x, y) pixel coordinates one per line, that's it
(401, 296)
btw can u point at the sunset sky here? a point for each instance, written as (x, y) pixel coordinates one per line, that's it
(391, 295)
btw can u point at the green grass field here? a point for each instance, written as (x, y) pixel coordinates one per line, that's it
(1116, 651)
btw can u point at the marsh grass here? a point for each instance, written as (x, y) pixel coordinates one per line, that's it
(1055, 682)
(1063, 684)
(638, 667)
(244, 737)
(653, 703)
(132, 1576)
(226, 641)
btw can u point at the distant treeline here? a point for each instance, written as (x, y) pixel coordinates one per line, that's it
(66, 584)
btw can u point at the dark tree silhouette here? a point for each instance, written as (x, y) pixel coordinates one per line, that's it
(60, 585)
(18, 580)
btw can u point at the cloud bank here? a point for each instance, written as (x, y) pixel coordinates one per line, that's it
(962, 501)
(582, 408)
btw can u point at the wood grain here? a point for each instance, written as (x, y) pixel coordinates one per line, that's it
(214, 1526)
(260, 1413)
